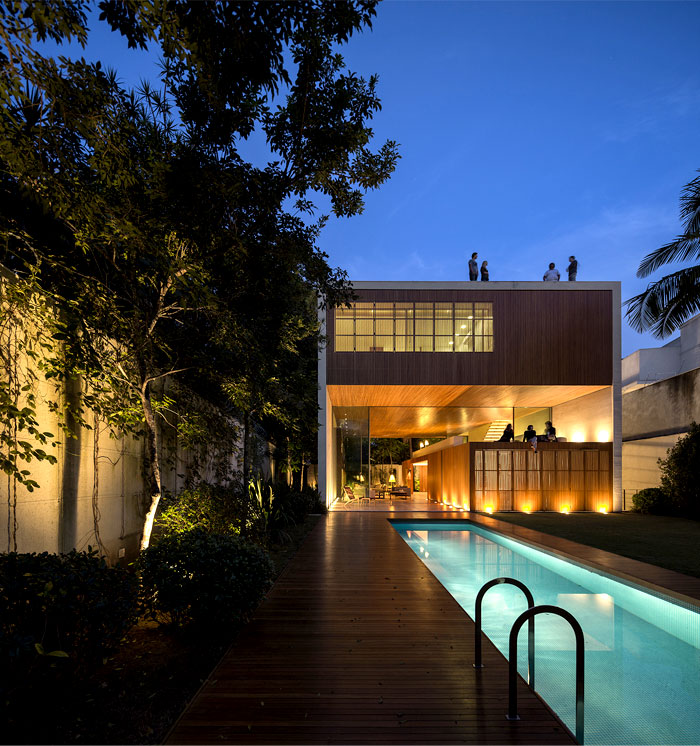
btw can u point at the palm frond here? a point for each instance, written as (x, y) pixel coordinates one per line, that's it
(683, 248)
(690, 205)
(666, 304)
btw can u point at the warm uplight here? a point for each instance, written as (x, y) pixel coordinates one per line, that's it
(489, 509)
(603, 436)
(578, 437)
(461, 510)
(527, 508)
(565, 509)
(602, 509)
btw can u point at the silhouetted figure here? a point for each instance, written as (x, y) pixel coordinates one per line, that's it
(572, 269)
(508, 434)
(530, 436)
(484, 272)
(473, 268)
(552, 274)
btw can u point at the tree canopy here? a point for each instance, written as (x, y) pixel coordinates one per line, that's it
(162, 249)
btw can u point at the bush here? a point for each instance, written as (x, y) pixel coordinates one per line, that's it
(204, 579)
(680, 474)
(652, 500)
(217, 510)
(299, 504)
(62, 605)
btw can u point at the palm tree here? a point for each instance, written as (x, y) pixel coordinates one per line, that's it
(672, 300)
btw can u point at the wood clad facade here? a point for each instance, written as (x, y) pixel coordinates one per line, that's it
(541, 337)
(571, 476)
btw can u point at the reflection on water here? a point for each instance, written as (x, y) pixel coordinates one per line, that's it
(642, 652)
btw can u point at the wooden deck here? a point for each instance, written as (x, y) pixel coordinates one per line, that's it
(358, 643)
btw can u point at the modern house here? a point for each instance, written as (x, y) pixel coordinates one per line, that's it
(457, 361)
(660, 398)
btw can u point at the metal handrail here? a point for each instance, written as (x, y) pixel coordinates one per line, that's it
(528, 616)
(530, 631)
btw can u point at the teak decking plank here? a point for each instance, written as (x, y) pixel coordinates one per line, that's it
(357, 642)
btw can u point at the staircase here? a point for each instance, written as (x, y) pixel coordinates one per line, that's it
(495, 430)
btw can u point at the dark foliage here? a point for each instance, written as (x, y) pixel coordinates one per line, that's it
(680, 474)
(652, 500)
(208, 580)
(60, 606)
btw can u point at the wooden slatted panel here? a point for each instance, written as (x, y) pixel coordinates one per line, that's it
(358, 643)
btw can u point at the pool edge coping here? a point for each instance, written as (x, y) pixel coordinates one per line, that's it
(515, 532)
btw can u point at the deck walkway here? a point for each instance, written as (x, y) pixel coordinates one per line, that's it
(358, 643)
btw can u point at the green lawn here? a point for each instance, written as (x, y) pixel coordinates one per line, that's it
(673, 543)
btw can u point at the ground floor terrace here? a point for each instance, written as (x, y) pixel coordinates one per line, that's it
(358, 642)
(455, 457)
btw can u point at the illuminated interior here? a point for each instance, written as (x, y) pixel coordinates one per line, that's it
(414, 327)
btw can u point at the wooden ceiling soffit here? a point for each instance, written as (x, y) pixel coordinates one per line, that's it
(455, 396)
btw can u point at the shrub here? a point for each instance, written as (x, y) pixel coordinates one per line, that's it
(62, 605)
(652, 500)
(680, 474)
(299, 504)
(216, 509)
(201, 578)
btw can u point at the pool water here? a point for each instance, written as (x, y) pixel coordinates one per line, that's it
(642, 650)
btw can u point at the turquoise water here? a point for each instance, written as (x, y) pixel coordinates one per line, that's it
(642, 652)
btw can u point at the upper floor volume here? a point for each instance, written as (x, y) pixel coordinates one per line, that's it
(505, 333)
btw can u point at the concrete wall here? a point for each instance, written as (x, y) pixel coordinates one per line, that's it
(654, 418)
(586, 419)
(95, 494)
(678, 356)
(640, 462)
(665, 407)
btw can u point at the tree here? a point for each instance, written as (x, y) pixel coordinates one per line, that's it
(680, 474)
(672, 300)
(161, 248)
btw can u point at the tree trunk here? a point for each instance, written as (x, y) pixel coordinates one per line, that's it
(153, 456)
(246, 449)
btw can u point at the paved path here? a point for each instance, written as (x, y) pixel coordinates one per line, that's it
(358, 643)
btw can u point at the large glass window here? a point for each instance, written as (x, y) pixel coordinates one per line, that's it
(414, 327)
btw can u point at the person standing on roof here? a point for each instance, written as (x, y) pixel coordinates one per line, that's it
(572, 269)
(552, 274)
(473, 268)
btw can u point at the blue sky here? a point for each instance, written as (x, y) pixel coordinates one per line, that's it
(528, 132)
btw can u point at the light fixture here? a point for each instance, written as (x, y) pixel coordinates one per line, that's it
(602, 509)
(450, 342)
(427, 554)
(527, 508)
(489, 509)
(603, 436)
(578, 437)
(464, 326)
(565, 509)
(392, 478)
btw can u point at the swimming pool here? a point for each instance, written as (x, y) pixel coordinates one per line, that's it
(642, 650)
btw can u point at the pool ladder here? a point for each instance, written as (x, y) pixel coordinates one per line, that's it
(529, 617)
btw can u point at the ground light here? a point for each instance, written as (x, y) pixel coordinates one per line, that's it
(565, 510)
(603, 509)
(527, 509)
(489, 509)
